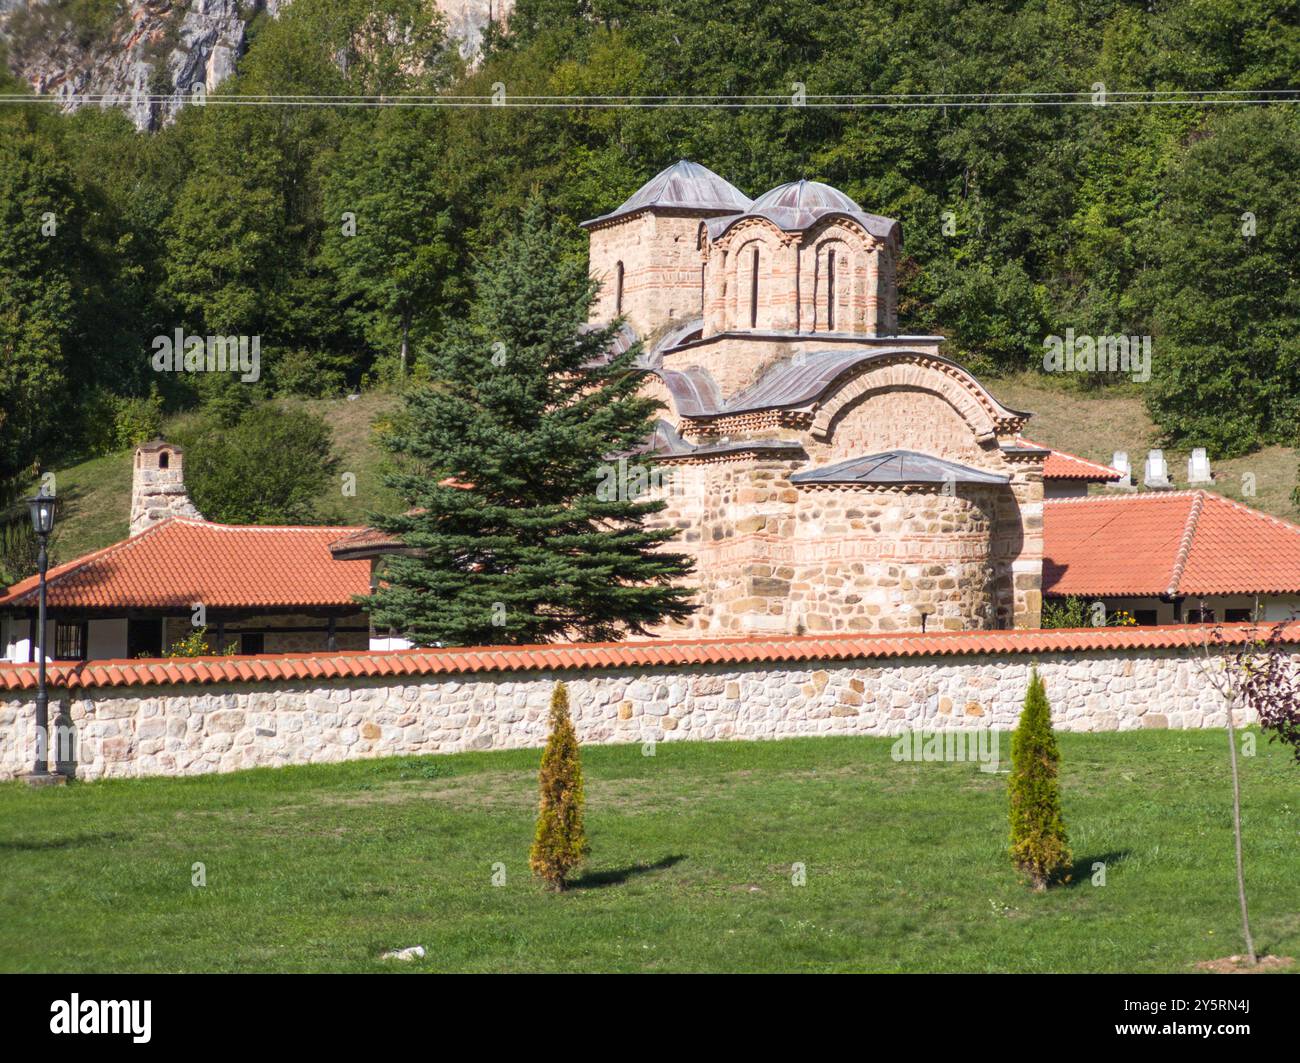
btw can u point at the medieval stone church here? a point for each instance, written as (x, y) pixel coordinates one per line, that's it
(826, 472)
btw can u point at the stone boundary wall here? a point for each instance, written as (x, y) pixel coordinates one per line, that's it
(194, 727)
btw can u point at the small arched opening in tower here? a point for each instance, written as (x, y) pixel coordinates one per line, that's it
(753, 293)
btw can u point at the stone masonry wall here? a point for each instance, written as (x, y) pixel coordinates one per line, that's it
(195, 729)
(915, 419)
(792, 280)
(772, 557)
(662, 268)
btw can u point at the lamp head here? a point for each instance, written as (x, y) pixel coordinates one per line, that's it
(42, 510)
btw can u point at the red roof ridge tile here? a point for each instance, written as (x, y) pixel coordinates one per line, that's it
(1185, 543)
(1129, 498)
(548, 657)
(194, 521)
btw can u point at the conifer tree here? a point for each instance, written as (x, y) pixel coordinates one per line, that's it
(1039, 845)
(560, 842)
(504, 461)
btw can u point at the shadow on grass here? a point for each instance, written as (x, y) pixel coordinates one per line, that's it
(42, 844)
(1081, 871)
(593, 880)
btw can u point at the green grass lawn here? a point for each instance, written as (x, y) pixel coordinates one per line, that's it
(323, 868)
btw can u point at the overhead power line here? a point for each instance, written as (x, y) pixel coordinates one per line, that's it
(1098, 98)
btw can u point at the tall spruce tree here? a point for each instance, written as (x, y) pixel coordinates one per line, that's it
(1039, 845)
(505, 459)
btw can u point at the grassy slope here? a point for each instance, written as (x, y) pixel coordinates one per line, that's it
(323, 868)
(1096, 427)
(98, 491)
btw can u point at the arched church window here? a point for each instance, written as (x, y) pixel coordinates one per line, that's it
(753, 293)
(618, 289)
(164, 460)
(830, 290)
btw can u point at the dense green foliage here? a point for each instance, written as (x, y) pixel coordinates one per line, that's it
(560, 841)
(527, 529)
(1069, 612)
(1039, 846)
(1108, 220)
(1225, 291)
(269, 467)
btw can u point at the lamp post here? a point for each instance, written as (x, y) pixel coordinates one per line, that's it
(42, 510)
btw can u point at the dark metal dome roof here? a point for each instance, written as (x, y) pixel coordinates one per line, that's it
(805, 195)
(799, 205)
(683, 186)
(897, 467)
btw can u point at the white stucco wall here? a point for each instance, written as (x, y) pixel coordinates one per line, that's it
(1265, 608)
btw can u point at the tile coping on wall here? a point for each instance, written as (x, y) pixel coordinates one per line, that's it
(658, 653)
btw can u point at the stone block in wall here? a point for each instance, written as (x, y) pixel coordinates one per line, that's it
(198, 729)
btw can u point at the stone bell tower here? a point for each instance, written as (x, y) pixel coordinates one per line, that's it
(646, 254)
(158, 486)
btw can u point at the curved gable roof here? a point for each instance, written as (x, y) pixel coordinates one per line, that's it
(624, 338)
(798, 381)
(695, 393)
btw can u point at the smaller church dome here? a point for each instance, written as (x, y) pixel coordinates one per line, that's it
(799, 205)
(811, 196)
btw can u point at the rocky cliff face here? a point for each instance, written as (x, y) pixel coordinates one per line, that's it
(152, 56)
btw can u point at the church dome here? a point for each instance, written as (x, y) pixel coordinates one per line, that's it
(799, 205)
(682, 186)
(811, 196)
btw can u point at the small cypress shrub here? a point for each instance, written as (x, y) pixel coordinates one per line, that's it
(560, 842)
(1039, 845)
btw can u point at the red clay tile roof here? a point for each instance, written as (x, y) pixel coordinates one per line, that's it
(1061, 465)
(668, 653)
(364, 539)
(180, 561)
(1178, 543)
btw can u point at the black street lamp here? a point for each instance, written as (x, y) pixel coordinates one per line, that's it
(42, 509)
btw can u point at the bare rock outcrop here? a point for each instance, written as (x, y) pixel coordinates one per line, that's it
(154, 56)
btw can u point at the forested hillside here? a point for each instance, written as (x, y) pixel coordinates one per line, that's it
(342, 236)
